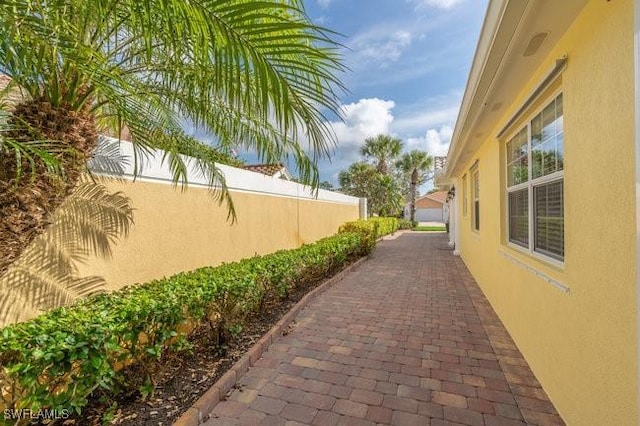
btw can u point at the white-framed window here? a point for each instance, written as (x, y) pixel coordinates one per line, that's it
(475, 198)
(465, 195)
(535, 177)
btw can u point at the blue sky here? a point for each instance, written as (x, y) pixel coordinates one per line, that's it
(409, 62)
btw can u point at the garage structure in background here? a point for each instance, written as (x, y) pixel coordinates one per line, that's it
(429, 207)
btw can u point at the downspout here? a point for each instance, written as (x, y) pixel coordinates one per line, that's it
(636, 49)
(456, 232)
(454, 218)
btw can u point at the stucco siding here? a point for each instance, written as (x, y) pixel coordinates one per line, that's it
(178, 231)
(581, 344)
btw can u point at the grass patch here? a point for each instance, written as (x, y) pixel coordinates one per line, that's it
(430, 228)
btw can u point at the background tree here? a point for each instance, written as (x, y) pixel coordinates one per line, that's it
(258, 74)
(382, 149)
(325, 184)
(415, 165)
(383, 193)
(386, 196)
(355, 180)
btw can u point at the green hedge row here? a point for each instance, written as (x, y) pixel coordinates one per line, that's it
(406, 224)
(58, 359)
(386, 225)
(372, 228)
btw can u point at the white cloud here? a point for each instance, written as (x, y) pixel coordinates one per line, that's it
(380, 46)
(440, 4)
(363, 119)
(411, 124)
(426, 126)
(435, 142)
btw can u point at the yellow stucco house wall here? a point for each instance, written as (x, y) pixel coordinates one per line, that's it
(555, 251)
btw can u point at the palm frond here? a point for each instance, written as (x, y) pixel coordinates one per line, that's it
(29, 153)
(146, 64)
(257, 74)
(381, 148)
(217, 186)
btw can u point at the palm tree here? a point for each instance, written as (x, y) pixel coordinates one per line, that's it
(255, 74)
(382, 148)
(415, 165)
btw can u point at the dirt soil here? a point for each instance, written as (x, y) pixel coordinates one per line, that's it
(184, 377)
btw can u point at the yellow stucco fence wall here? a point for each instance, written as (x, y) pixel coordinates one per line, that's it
(581, 345)
(173, 230)
(177, 231)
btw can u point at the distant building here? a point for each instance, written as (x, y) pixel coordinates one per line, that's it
(273, 170)
(429, 208)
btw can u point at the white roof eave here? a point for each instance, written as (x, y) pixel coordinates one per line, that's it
(507, 30)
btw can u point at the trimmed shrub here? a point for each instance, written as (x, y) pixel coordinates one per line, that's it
(58, 359)
(368, 231)
(406, 224)
(371, 229)
(386, 225)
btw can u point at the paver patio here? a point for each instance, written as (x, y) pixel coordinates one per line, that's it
(407, 339)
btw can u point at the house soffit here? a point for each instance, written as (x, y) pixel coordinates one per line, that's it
(500, 68)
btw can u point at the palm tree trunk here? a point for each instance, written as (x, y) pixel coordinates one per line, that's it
(414, 184)
(28, 199)
(413, 202)
(382, 166)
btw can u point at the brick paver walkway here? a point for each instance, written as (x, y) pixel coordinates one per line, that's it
(407, 339)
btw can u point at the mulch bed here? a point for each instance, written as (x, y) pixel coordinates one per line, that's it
(184, 377)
